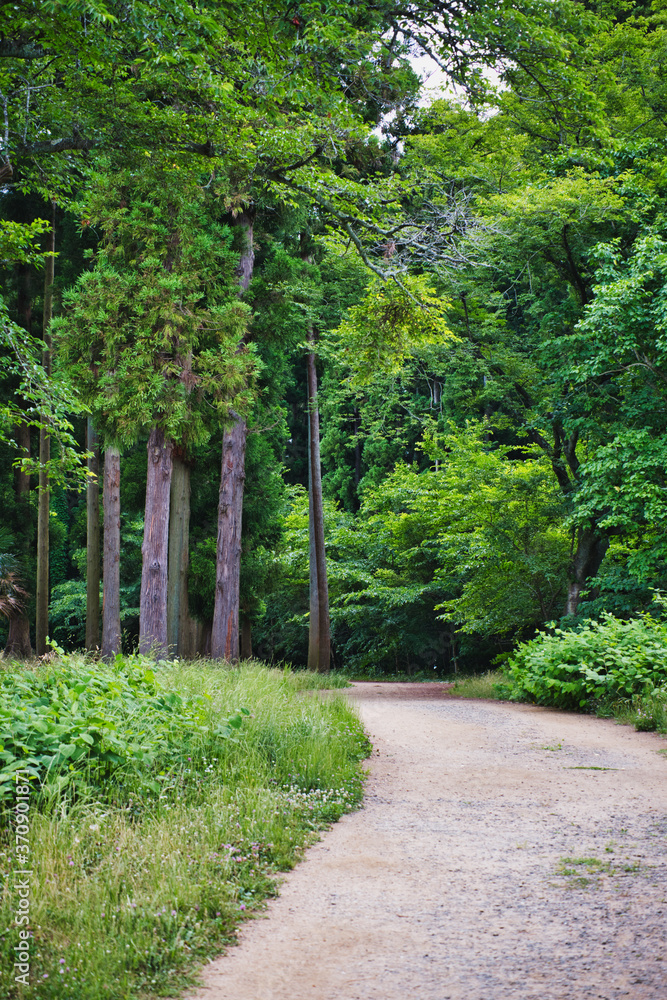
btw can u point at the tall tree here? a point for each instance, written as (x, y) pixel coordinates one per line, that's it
(153, 620)
(225, 634)
(42, 616)
(178, 617)
(111, 633)
(319, 638)
(92, 540)
(164, 345)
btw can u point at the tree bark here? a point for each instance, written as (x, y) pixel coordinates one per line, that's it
(178, 631)
(225, 633)
(314, 597)
(42, 612)
(590, 551)
(111, 637)
(246, 638)
(316, 520)
(18, 634)
(93, 540)
(153, 602)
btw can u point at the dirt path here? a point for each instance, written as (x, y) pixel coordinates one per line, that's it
(449, 884)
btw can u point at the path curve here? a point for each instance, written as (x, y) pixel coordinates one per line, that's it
(449, 884)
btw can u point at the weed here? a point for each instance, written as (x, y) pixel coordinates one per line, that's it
(132, 885)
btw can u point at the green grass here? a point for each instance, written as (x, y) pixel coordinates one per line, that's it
(306, 680)
(646, 713)
(486, 685)
(132, 888)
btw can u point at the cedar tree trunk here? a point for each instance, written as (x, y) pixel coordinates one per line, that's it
(225, 633)
(111, 638)
(153, 602)
(18, 635)
(178, 632)
(42, 613)
(316, 519)
(93, 540)
(225, 630)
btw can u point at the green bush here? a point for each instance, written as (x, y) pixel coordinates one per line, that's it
(110, 727)
(599, 661)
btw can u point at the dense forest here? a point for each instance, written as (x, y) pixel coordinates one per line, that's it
(302, 358)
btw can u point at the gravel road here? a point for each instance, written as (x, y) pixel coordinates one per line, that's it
(452, 883)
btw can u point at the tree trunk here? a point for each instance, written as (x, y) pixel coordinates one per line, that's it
(316, 519)
(18, 634)
(225, 633)
(93, 541)
(246, 638)
(591, 549)
(111, 638)
(178, 631)
(225, 629)
(42, 613)
(153, 602)
(356, 502)
(314, 599)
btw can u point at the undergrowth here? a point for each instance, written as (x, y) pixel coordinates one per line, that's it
(614, 668)
(197, 786)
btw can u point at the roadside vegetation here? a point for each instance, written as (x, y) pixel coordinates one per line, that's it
(165, 799)
(612, 667)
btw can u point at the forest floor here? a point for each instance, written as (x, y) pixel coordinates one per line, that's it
(505, 852)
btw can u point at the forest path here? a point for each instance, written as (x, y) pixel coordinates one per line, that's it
(449, 884)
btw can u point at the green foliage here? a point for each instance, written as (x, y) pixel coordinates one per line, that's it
(18, 241)
(599, 661)
(153, 333)
(130, 895)
(67, 614)
(38, 400)
(391, 322)
(114, 730)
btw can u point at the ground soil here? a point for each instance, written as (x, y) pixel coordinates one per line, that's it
(450, 883)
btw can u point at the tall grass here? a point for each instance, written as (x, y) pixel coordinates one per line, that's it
(131, 890)
(486, 685)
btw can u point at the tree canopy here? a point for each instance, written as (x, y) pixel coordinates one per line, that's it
(480, 275)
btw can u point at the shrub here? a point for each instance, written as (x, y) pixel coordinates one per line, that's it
(609, 659)
(111, 727)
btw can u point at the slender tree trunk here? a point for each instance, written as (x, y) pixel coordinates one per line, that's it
(153, 603)
(357, 458)
(314, 602)
(246, 638)
(111, 638)
(590, 551)
(18, 635)
(225, 633)
(316, 519)
(93, 540)
(178, 631)
(42, 614)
